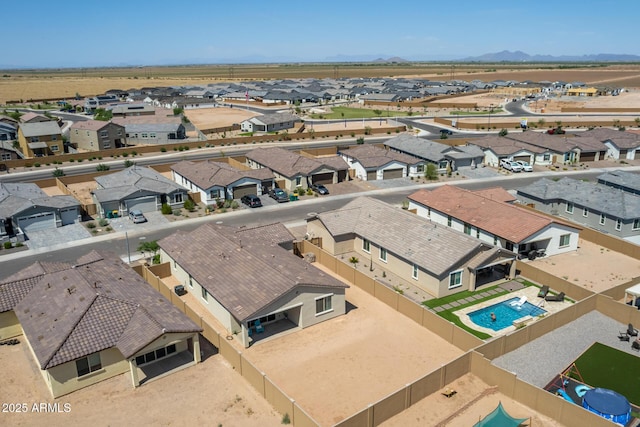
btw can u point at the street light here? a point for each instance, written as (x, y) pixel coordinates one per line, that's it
(490, 110)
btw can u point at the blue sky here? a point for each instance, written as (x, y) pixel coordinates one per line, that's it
(88, 33)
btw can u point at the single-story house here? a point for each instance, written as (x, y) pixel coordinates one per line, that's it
(495, 222)
(496, 148)
(620, 145)
(219, 180)
(246, 277)
(40, 139)
(26, 207)
(270, 122)
(138, 188)
(294, 171)
(568, 149)
(152, 129)
(132, 109)
(441, 155)
(597, 206)
(374, 163)
(92, 320)
(435, 258)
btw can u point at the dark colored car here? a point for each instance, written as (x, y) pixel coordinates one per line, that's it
(556, 131)
(446, 132)
(251, 200)
(320, 189)
(278, 195)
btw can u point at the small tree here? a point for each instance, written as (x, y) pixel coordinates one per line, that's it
(354, 260)
(177, 111)
(377, 112)
(57, 172)
(129, 163)
(152, 247)
(166, 209)
(541, 122)
(367, 130)
(431, 173)
(637, 120)
(189, 205)
(102, 167)
(103, 115)
(360, 141)
(503, 132)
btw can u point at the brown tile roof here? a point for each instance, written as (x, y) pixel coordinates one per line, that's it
(370, 156)
(15, 287)
(290, 164)
(96, 304)
(621, 139)
(505, 146)
(504, 220)
(209, 173)
(497, 193)
(243, 271)
(558, 143)
(93, 125)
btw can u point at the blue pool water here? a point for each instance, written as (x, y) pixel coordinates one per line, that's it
(505, 314)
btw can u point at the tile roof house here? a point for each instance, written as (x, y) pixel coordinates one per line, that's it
(293, 170)
(92, 320)
(606, 209)
(568, 149)
(442, 155)
(436, 258)
(31, 117)
(374, 163)
(494, 221)
(40, 139)
(620, 145)
(96, 135)
(152, 129)
(270, 122)
(496, 148)
(247, 276)
(138, 188)
(25, 207)
(219, 180)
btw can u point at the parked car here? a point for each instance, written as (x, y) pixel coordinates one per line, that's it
(279, 195)
(320, 189)
(446, 132)
(525, 166)
(515, 167)
(505, 163)
(556, 131)
(137, 216)
(251, 200)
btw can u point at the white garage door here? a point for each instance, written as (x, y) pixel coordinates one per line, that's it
(144, 204)
(69, 215)
(37, 222)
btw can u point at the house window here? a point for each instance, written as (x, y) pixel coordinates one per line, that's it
(54, 148)
(467, 229)
(54, 138)
(449, 221)
(177, 198)
(6, 156)
(35, 139)
(366, 245)
(205, 294)
(455, 279)
(190, 282)
(429, 212)
(323, 304)
(585, 212)
(569, 208)
(152, 135)
(104, 134)
(155, 355)
(106, 145)
(145, 135)
(88, 364)
(477, 233)
(546, 157)
(602, 219)
(414, 273)
(509, 245)
(618, 224)
(383, 254)
(214, 194)
(175, 265)
(565, 239)
(420, 168)
(636, 224)
(298, 180)
(495, 240)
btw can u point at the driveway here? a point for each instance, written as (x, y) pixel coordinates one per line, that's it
(56, 236)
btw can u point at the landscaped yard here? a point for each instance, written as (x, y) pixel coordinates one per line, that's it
(358, 113)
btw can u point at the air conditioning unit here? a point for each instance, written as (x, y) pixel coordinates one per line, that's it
(179, 290)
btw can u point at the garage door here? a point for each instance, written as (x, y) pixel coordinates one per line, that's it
(523, 158)
(587, 157)
(243, 190)
(69, 215)
(41, 221)
(322, 178)
(144, 204)
(372, 175)
(392, 173)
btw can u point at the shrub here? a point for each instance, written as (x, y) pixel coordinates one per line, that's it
(125, 154)
(286, 419)
(7, 245)
(108, 229)
(234, 205)
(57, 172)
(226, 204)
(177, 212)
(103, 222)
(102, 167)
(360, 140)
(166, 209)
(129, 163)
(36, 164)
(189, 205)
(163, 149)
(309, 192)
(91, 225)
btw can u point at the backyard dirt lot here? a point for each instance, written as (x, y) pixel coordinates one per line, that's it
(208, 394)
(207, 118)
(606, 268)
(352, 360)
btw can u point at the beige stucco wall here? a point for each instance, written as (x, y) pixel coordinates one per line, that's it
(83, 137)
(341, 245)
(9, 325)
(63, 379)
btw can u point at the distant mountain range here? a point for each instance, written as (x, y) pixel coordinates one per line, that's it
(519, 56)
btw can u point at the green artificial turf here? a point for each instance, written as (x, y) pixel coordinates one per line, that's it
(606, 367)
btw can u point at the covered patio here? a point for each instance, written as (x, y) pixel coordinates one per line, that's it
(631, 295)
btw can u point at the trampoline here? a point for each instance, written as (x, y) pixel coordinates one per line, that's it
(608, 404)
(500, 418)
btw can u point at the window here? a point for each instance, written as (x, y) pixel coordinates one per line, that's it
(104, 134)
(602, 219)
(298, 180)
(366, 245)
(477, 233)
(455, 279)
(190, 281)
(35, 139)
(323, 304)
(205, 294)
(54, 138)
(618, 224)
(569, 207)
(509, 245)
(177, 198)
(144, 135)
(565, 240)
(214, 194)
(54, 148)
(152, 135)
(88, 364)
(429, 212)
(585, 212)
(155, 355)
(383, 254)
(495, 240)
(414, 273)
(467, 229)
(636, 224)
(449, 221)
(546, 157)
(106, 145)
(6, 156)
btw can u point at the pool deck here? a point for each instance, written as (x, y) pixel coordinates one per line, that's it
(531, 292)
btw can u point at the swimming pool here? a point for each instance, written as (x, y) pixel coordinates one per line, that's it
(505, 314)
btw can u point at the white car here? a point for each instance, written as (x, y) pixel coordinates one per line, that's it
(505, 163)
(525, 166)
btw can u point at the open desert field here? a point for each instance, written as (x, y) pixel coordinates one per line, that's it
(65, 83)
(207, 118)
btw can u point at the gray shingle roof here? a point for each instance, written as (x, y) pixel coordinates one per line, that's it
(255, 270)
(17, 197)
(99, 303)
(271, 119)
(431, 150)
(290, 164)
(210, 173)
(370, 156)
(596, 197)
(40, 129)
(120, 185)
(431, 246)
(628, 181)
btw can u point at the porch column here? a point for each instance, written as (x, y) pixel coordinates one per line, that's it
(133, 368)
(196, 348)
(335, 177)
(512, 269)
(472, 280)
(245, 335)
